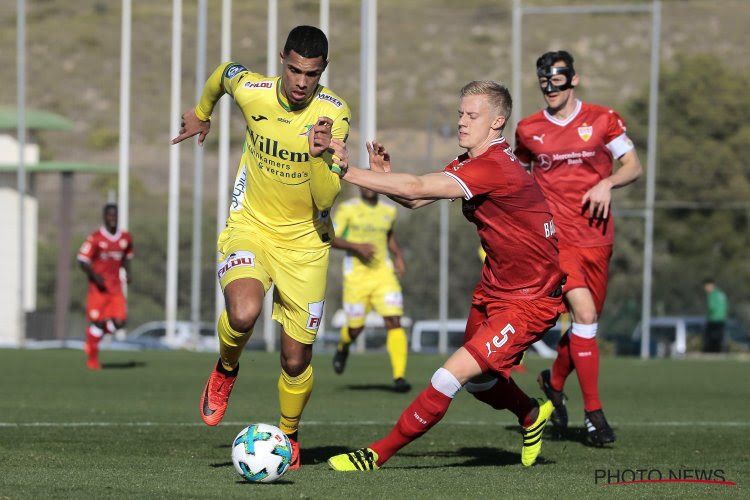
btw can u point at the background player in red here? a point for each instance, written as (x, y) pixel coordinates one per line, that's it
(519, 295)
(571, 146)
(101, 256)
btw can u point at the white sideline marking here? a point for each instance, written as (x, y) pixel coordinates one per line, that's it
(346, 423)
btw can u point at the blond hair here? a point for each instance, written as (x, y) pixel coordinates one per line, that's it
(497, 94)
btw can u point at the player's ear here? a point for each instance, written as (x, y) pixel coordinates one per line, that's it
(499, 123)
(574, 81)
(281, 59)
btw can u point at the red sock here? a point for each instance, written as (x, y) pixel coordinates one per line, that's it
(92, 344)
(506, 394)
(563, 364)
(585, 354)
(425, 411)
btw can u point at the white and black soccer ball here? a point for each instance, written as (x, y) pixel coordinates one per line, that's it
(261, 453)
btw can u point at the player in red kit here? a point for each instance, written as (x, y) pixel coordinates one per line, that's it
(570, 146)
(101, 256)
(519, 295)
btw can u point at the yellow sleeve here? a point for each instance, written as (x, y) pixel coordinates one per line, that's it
(341, 220)
(324, 184)
(221, 81)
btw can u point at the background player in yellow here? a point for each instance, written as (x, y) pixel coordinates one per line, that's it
(364, 228)
(278, 230)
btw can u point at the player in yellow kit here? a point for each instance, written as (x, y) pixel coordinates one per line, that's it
(364, 228)
(278, 230)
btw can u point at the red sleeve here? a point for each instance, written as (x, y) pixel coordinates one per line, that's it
(88, 250)
(522, 152)
(129, 249)
(477, 177)
(615, 126)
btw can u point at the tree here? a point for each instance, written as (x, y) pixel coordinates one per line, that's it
(702, 184)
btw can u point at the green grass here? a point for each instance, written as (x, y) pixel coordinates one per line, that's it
(133, 430)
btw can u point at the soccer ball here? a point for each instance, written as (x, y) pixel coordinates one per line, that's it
(261, 453)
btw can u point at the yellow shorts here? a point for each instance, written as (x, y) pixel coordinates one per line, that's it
(373, 289)
(299, 276)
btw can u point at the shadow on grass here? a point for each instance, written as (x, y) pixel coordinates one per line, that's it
(260, 485)
(320, 454)
(571, 434)
(474, 457)
(123, 364)
(371, 387)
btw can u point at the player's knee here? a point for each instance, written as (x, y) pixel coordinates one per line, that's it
(585, 317)
(354, 332)
(243, 318)
(392, 322)
(294, 365)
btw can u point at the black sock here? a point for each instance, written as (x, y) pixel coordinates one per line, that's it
(220, 368)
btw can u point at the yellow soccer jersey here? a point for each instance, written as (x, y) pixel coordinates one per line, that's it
(359, 222)
(280, 190)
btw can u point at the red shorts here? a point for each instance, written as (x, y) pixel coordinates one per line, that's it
(587, 267)
(103, 306)
(499, 331)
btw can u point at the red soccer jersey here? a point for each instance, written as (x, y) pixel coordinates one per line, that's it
(513, 221)
(570, 157)
(106, 253)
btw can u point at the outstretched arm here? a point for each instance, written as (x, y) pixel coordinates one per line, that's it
(380, 161)
(410, 190)
(197, 121)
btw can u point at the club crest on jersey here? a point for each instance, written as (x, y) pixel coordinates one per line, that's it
(585, 132)
(307, 129)
(234, 259)
(123, 244)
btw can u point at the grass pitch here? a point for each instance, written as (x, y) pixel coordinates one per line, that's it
(133, 430)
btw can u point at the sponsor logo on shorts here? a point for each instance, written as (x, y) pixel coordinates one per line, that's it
(354, 310)
(315, 313)
(235, 259)
(393, 299)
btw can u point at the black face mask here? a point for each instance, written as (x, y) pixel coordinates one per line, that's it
(549, 71)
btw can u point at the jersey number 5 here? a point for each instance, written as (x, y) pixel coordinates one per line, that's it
(499, 342)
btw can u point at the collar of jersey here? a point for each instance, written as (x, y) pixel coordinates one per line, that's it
(110, 236)
(284, 103)
(569, 119)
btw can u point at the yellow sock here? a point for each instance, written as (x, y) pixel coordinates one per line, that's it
(564, 323)
(345, 339)
(231, 342)
(293, 395)
(398, 349)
